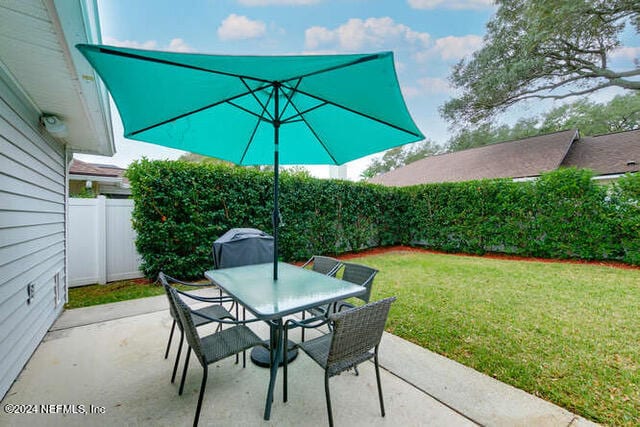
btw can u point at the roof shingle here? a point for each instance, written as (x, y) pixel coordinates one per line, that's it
(609, 154)
(514, 159)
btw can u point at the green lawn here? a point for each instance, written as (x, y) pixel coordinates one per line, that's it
(86, 296)
(567, 333)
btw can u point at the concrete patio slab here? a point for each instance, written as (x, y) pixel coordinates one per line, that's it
(114, 364)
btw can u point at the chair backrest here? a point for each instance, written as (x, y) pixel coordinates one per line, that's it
(357, 331)
(360, 275)
(324, 265)
(184, 316)
(172, 309)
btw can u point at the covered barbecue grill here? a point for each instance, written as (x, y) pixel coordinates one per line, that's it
(242, 246)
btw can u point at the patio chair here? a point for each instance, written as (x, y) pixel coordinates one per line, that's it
(323, 265)
(355, 333)
(360, 275)
(216, 310)
(211, 348)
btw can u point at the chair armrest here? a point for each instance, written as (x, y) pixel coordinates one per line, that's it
(343, 305)
(225, 321)
(192, 284)
(306, 323)
(206, 299)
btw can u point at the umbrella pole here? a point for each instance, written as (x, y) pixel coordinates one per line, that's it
(276, 178)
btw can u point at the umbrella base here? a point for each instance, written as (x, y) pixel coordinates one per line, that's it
(260, 355)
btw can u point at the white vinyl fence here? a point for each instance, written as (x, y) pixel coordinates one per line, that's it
(101, 241)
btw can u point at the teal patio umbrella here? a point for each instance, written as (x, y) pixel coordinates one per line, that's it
(258, 110)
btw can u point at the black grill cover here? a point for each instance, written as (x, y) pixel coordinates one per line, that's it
(242, 246)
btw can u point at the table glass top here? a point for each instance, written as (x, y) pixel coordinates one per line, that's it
(295, 290)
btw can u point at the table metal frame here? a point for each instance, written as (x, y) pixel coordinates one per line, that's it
(296, 290)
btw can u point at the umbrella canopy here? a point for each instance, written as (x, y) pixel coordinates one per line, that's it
(258, 110)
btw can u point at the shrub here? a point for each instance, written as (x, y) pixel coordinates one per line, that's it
(182, 208)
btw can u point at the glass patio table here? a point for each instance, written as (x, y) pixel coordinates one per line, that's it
(296, 289)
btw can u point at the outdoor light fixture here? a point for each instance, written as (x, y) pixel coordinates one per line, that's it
(54, 126)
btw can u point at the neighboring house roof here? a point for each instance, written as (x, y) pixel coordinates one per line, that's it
(514, 159)
(38, 54)
(611, 154)
(110, 177)
(79, 167)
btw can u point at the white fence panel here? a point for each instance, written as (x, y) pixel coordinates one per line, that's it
(101, 241)
(122, 258)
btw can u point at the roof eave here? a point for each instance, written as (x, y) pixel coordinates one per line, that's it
(77, 22)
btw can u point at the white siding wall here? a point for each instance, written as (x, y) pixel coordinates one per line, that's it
(32, 236)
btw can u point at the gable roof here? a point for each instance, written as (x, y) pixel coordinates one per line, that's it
(513, 159)
(614, 153)
(90, 169)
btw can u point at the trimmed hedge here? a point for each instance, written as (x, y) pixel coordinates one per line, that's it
(182, 208)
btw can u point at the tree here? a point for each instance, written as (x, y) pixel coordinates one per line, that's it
(197, 158)
(622, 113)
(537, 49)
(487, 133)
(400, 156)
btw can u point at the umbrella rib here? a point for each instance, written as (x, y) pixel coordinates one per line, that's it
(292, 90)
(106, 50)
(337, 67)
(253, 134)
(290, 119)
(255, 129)
(253, 93)
(326, 149)
(246, 110)
(351, 110)
(228, 100)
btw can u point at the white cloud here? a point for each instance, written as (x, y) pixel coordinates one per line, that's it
(179, 45)
(175, 45)
(450, 4)
(626, 52)
(357, 33)
(239, 27)
(149, 44)
(278, 2)
(409, 91)
(435, 85)
(452, 48)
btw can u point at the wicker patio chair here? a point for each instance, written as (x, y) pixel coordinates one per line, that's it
(323, 265)
(360, 275)
(216, 310)
(211, 348)
(355, 333)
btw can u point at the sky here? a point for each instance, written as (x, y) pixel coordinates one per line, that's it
(427, 38)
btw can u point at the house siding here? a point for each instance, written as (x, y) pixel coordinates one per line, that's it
(32, 233)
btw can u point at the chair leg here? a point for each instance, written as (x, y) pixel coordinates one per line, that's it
(202, 387)
(328, 396)
(304, 316)
(173, 326)
(184, 371)
(175, 365)
(379, 384)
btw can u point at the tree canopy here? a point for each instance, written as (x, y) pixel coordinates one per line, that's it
(620, 114)
(400, 156)
(536, 49)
